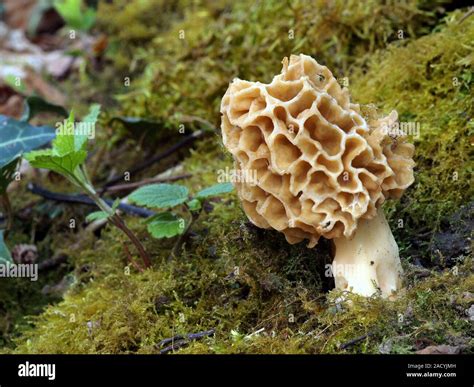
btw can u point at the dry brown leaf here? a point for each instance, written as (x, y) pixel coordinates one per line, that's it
(18, 12)
(440, 350)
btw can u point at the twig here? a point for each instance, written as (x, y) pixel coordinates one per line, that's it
(352, 342)
(469, 12)
(180, 341)
(128, 186)
(187, 140)
(83, 199)
(8, 211)
(188, 119)
(52, 262)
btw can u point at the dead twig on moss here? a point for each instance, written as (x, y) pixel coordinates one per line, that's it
(469, 12)
(129, 186)
(352, 342)
(83, 199)
(184, 142)
(53, 262)
(180, 341)
(8, 212)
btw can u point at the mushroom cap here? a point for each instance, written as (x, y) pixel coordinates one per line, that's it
(309, 164)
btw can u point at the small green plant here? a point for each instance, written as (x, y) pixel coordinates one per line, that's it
(168, 224)
(75, 14)
(67, 157)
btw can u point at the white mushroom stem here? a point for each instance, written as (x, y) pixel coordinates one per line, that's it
(369, 260)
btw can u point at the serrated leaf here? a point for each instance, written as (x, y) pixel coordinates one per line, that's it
(160, 195)
(5, 256)
(96, 215)
(68, 139)
(165, 225)
(215, 190)
(69, 146)
(17, 137)
(6, 174)
(64, 165)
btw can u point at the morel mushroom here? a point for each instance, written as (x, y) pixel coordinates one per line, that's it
(314, 166)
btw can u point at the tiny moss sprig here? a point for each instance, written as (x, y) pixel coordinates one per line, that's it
(67, 157)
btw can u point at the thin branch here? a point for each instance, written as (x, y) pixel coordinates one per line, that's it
(469, 12)
(352, 342)
(84, 199)
(53, 262)
(129, 186)
(180, 341)
(189, 119)
(187, 140)
(8, 212)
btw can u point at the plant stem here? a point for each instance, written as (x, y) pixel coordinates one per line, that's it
(118, 222)
(177, 246)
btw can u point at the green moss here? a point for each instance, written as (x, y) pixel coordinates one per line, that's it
(429, 82)
(260, 294)
(198, 55)
(275, 288)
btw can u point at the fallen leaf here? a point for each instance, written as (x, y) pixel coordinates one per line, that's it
(18, 12)
(11, 103)
(440, 350)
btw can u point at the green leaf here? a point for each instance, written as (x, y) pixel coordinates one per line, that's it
(115, 204)
(215, 190)
(5, 256)
(96, 215)
(35, 105)
(165, 225)
(69, 146)
(63, 164)
(16, 83)
(17, 137)
(6, 174)
(194, 204)
(160, 195)
(93, 114)
(74, 14)
(68, 139)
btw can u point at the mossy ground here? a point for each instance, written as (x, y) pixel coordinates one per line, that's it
(231, 276)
